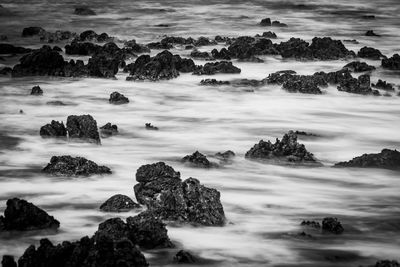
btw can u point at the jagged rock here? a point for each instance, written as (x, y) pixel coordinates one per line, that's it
(357, 66)
(387, 263)
(162, 191)
(101, 65)
(74, 166)
(277, 23)
(57, 36)
(285, 150)
(383, 85)
(392, 63)
(247, 47)
(362, 86)
(83, 127)
(225, 156)
(332, 225)
(108, 130)
(371, 53)
(184, 64)
(22, 215)
(8, 261)
(36, 90)
(291, 82)
(312, 224)
(53, 129)
(265, 22)
(159, 45)
(303, 133)
(217, 67)
(198, 160)
(223, 54)
(91, 35)
(213, 82)
(32, 31)
(118, 99)
(10, 49)
(151, 127)
(84, 11)
(177, 40)
(371, 33)
(269, 35)
(119, 203)
(184, 256)
(386, 159)
(221, 39)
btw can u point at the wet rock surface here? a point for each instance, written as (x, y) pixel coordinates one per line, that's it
(21, 215)
(83, 127)
(73, 167)
(117, 98)
(387, 263)
(213, 82)
(197, 160)
(386, 159)
(32, 31)
(119, 203)
(361, 85)
(151, 127)
(53, 129)
(293, 83)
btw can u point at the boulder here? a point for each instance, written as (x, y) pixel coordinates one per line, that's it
(32, 31)
(265, 22)
(83, 49)
(84, 11)
(10, 49)
(74, 166)
(137, 48)
(162, 191)
(386, 159)
(362, 86)
(103, 66)
(108, 130)
(151, 127)
(217, 67)
(269, 35)
(277, 23)
(83, 127)
(357, 66)
(57, 36)
(119, 203)
(53, 129)
(287, 150)
(117, 99)
(197, 54)
(247, 47)
(8, 261)
(370, 53)
(332, 225)
(223, 54)
(36, 90)
(185, 257)
(392, 63)
(371, 33)
(383, 85)
(203, 41)
(21, 215)
(197, 160)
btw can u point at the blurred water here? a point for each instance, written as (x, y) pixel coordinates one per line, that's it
(264, 204)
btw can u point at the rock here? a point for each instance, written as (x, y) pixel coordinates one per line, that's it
(392, 63)
(119, 203)
(8, 261)
(386, 159)
(184, 64)
(357, 66)
(101, 65)
(217, 67)
(303, 133)
(108, 130)
(137, 48)
(358, 86)
(225, 156)
(213, 82)
(252, 59)
(247, 82)
(352, 41)
(91, 35)
(83, 49)
(104, 252)
(269, 35)
(387, 263)
(203, 41)
(6, 71)
(54, 129)
(246, 47)
(74, 166)
(10, 49)
(312, 224)
(184, 256)
(36, 90)
(265, 22)
(84, 11)
(198, 160)
(21, 215)
(31, 31)
(151, 127)
(197, 54)
(383, 85)
(162, 191)
(118, 99)
(368, 17)
(83, 127)
(288, 150)
(276, 23)
(332, 225)
(159, 45)
(371, 33)
(56, 103)
(293, 83)
(57, 36)
(177, 40)
(371, 53)
(223, 54)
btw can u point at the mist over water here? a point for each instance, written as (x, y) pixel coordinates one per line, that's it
(264, 204)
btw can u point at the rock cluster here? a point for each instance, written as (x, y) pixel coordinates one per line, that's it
(291, 82)
(357, 66)
(217, 67)
(332, 225)
(370, 52)
(386, 159)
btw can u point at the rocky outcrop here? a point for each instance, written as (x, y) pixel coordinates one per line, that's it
(74, 166)
(360, 85)
(32, 31)
(387, 263)
(332, 225)
(117, 98)
(21, 215)
(83, 127)
(8, 261)
(293, 83)
(10, 49)
(119, 203)
(386, 159)
(287, 150)
(90, 35)
(151, 127)
(213, 82)
(53, 129)
(162, 191)
(197, 54)
(83, 49)
(135, 47)
(392, 63)
(357, 66)
(84, 11)
(370, 53)
(108, 130)
(217, 67)
(36, 90)
(198, 160)
(265, 22)
(383, 85)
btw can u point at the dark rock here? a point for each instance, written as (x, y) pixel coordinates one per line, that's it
(53, 129)
(10, 49)
(88, 35)
(83, 127)
(184, 256)
(368, 17)
(184, 64)
(36, 90)
(247, 82)
(225, 156)
(332, 225)
(306, 84)
(197, 54)
(100, 65)
(392, 63)
(177, 40)
(303, 133)
(119, 203)
(84, 11)
(151, 127)
(371, 53)
(56, 103)
(197, 160)
(217, 67)
(352, 41)
(252, 59)
(269, 35)
(8, 261)
(294, 47)
(371, 33)
(137, 48)
(6, 71)
(31, 31)
(361, 86)
(162, 191)
(57, 36)
(203, 41)
(266, 22)
(223, 54)
(213, 82)
(357, 66)
(57, 49)
(387, 263)
(221, 39)
(118, 99)
(383, 85)
(287, 150)
(276, 23)
(247, 47)
(83, 49)
(108, 130)
(162, 25)
(386, 159)
(21, 215)
(70, 166)
(159, 45)
(312, 224)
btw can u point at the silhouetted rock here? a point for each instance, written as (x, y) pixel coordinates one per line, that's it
(332, 225)
(246, 47)
(151, 127)
(383, 85)
(217, 67)
(213, 82)
(386, 159)
(387, 263)
(117, 98)
(362, 86)
(392, 63)
(137, 48)
(371, 33)
(36, 90)
(119, 203)
(8, 261)
(90, 35)
(357, 66)
(31, 31)
(225, 156)
(197, 160)
(312, 224)
(197, 54)
(57, 36)
(84, 11)
(83, 127)
(21, 215)
(285, 150)
(184, 256)
(371, 53)
(203, 41)
(83, 49)
(53, 129)
(103, 66)
(277, 23)
(108, 130)
(269, 35)
(10, 49)
(223, 54)
(162, 191)
(265, 22)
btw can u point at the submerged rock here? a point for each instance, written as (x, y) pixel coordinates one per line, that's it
(332, 225)
(184, 256)
(223, 54)
(362, 86)
(225, 156)
(108, 130)
(74, 166)
(83, 127)
(36, 90)
(269, 35)
(56, 103)
(371, 33)
(10, 49)
(383, 85)
(162, 191)
(357, 66)
(197, 54)
(392, 63)
(285, 150)
(119, 203)
(84, 11)
(53, 129)
(198, 160)
(151, 127)
(370, 52)
(213, 82)
(21, 215)
(32, 31)
(117, 99)
(217, 67)
(386, 159)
